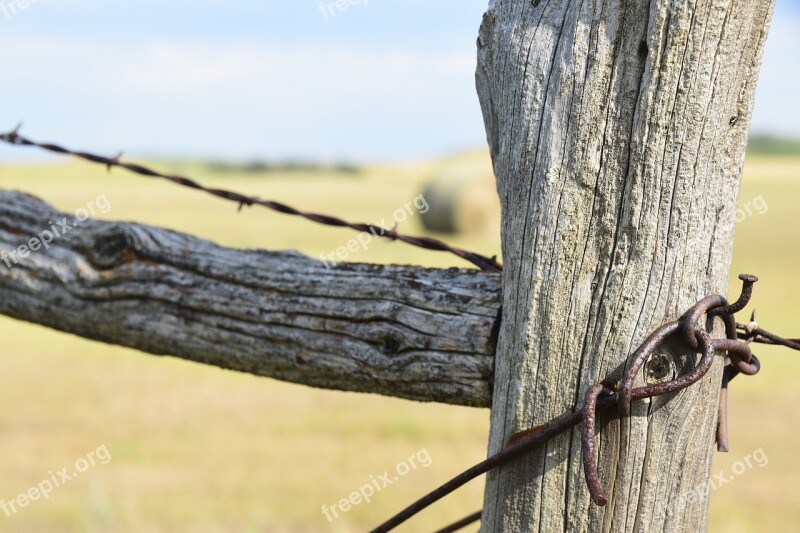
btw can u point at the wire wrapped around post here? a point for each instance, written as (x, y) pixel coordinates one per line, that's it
(607, 394)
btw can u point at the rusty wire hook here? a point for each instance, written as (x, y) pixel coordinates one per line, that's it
(626, 394)
(748, 280)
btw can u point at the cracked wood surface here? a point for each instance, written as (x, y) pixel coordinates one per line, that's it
(617, 131)
(409, 332)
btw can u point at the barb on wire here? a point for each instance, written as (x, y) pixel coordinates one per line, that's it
(484, 263)
(605, 395)
(751, 332)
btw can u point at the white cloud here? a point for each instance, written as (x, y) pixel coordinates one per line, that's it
(777, 106)
(254, 98)
(300, 99)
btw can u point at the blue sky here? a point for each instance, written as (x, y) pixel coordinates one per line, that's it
(382, 80)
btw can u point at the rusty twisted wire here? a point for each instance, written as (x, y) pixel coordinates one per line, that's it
(607, 394)
(599, 397)
(484, 263)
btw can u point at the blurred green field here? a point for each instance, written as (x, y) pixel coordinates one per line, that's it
(196, 448)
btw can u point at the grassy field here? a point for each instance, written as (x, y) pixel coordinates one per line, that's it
(199, 449)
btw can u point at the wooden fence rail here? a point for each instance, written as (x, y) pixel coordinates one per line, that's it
(410, 332)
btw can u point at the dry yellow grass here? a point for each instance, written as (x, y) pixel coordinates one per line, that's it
(200, 449)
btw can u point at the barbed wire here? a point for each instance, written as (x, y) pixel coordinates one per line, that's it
(598, 397)
(428, 243)
(607, 394)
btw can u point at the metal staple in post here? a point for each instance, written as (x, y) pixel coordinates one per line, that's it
(598, 397)
(604, 395)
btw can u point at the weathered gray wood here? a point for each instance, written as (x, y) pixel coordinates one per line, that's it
(416, 333)
(617, 131)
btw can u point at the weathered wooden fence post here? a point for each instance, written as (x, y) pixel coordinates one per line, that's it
(618, 131)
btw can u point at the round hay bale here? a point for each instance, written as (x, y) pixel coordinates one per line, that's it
(462, 198)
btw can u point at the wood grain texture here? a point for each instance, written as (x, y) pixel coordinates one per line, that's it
(617, 130)
(409, 332)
